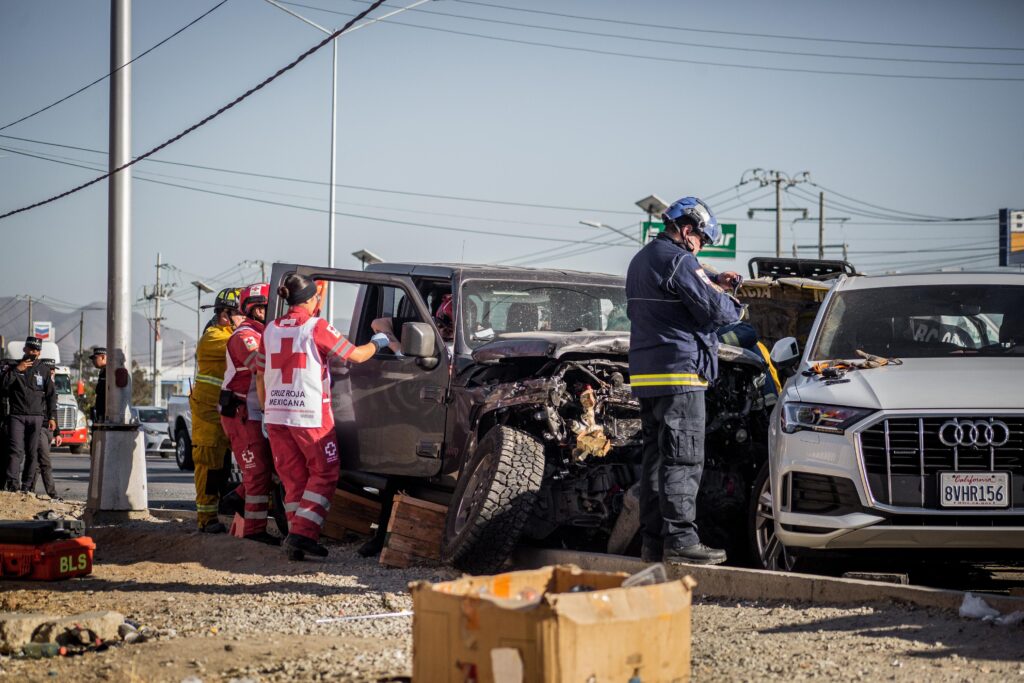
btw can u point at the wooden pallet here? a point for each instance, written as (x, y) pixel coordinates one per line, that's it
(414, 532)
(350, 513)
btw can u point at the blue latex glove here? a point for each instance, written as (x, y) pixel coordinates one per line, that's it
(380, 340)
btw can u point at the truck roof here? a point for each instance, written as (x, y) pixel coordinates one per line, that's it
(466, 271)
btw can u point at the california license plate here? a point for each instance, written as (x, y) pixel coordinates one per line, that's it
(974, 489)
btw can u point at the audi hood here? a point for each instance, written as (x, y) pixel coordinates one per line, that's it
(960, 383)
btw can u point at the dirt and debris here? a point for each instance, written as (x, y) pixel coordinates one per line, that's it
(230, 609)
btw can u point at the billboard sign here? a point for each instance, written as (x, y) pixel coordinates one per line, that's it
(1011, 237)
(727, 249)
(43, 329)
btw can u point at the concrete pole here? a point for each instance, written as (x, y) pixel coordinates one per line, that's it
(117, 480)
(158, 342)
(778, 214)
(30, 330)
(821, 225)
(81, 338)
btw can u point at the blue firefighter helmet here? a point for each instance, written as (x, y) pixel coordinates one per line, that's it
(693, 211)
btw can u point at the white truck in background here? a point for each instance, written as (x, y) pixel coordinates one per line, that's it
(74, 429)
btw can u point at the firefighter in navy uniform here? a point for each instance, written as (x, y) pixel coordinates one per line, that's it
(674, 308)
(32, 402)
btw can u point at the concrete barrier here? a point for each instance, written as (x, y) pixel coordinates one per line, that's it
(755, 584)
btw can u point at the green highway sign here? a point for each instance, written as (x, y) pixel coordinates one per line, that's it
(727, 249)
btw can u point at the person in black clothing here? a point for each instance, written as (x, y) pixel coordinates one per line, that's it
(41, 464)
(32, 399)
(99, 360)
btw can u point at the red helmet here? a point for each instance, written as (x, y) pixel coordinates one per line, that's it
(255, 295)
(444, 311)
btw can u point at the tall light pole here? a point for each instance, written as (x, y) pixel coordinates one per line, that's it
(200, 288)
(603, 226)
(334, 123)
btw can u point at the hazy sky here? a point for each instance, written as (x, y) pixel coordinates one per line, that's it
(438, 112)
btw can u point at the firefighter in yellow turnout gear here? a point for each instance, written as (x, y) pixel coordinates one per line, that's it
(210, 445)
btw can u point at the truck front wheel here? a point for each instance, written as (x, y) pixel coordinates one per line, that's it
(493, 500)
(75, 448)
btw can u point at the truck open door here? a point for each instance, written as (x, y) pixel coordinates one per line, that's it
(389, 411)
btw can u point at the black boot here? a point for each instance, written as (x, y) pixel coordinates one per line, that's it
(651, 552)
(231, 504)
(698, 553)
(214, 527)
(305, 545)
(372, 547)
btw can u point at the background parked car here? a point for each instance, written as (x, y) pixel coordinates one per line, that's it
(153, 423)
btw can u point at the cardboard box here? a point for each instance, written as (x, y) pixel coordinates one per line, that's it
(475, 629)
(415, 531)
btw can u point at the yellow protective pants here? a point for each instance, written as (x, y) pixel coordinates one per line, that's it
(210, 447)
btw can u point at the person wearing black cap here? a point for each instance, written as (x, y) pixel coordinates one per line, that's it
(99, 360)
(32, 398)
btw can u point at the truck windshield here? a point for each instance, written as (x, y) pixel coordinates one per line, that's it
(151, 415)
(493, 308)
(62, 383)
(929, 321)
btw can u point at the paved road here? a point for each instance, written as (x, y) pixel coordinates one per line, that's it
(169, 487)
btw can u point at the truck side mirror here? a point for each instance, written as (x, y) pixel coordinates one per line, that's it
(418, 341)
(785, 353)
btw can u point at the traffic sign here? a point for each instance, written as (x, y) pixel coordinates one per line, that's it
(727, 249)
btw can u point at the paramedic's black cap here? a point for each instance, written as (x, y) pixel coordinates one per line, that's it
(98, 351)
(34, 343)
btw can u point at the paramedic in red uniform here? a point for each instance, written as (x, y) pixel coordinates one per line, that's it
(294, 387)
(242, 415)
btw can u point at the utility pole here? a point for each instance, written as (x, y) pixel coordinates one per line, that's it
(777, 178)
(117, 477)
(81, 334)
(158, 342)
(30, 330)
(821, 225)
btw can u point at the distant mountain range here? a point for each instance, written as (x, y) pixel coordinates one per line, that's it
(14, 326)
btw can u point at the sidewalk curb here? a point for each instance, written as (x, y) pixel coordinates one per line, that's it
(171, 514)
(753, 584)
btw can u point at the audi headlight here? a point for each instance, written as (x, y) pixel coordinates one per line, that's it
(817, 417)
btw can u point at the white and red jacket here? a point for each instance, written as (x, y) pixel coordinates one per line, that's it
(293, 356)
(243, 349)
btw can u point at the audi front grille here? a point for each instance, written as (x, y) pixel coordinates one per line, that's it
(903, 456)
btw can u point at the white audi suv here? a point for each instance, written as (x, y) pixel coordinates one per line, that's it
(921, 450)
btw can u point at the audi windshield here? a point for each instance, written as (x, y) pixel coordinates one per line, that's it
(929, 321)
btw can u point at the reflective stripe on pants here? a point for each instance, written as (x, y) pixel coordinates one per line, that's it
(307, 462)
(252, 453)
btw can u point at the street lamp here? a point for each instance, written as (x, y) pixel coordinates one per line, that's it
(598, 224)
(652, 206)
(367, 257)
(200, 288)
(334, 122)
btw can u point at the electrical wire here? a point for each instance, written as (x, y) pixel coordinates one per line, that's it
(737, 33)
(680, 60)
(921, 218)
(677, 43)
(106, 76)
(270, 79)
(380, 219)
(366, 188)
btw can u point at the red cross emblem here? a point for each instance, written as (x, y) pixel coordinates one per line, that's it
(287, 361)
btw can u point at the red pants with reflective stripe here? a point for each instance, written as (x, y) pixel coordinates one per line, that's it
(252, 453)
(307, 463)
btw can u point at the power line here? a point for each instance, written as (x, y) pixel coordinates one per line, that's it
(271, 202)
(680, 60)
(208, 118)
(106, 76)
(677, 43)
(920, 218)
(739, 33)
(366, 188)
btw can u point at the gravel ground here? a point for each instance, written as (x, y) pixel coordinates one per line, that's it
(239, 610)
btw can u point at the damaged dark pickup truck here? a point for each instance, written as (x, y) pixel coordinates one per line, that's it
(519, 416)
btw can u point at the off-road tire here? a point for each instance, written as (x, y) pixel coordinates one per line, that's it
(183, 450)
(506, 472)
